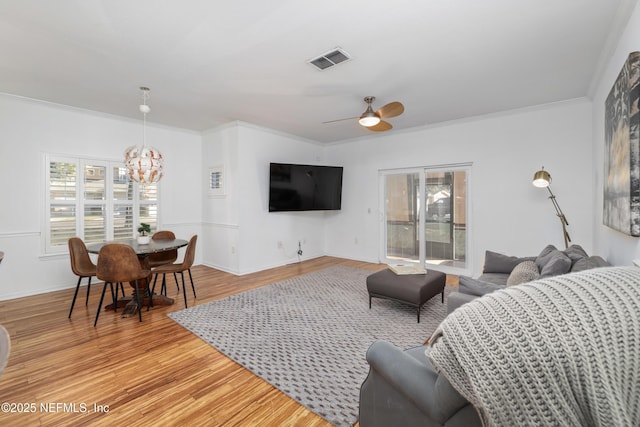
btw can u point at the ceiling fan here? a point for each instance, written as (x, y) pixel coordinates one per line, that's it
(372, 120)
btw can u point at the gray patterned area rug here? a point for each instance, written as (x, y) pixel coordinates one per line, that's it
(308, 336)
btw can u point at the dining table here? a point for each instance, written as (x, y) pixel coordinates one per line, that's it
(143, 251)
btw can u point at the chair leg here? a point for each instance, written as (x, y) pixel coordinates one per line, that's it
(163, 289)
(73, 302)
(86, 301)
(153, 288)
(138, 300)
(150, 293)
(193, 288)
(115, 299)
(184, 289)
(104, 288)
(175, 277)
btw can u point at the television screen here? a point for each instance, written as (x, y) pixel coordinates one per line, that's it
(304, 187)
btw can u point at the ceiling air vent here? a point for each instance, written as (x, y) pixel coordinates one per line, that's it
(329, 59)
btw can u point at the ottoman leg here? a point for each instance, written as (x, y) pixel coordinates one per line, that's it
(369, 301)
(443, 296)
(419, 307)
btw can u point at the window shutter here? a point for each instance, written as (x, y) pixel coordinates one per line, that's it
(62, 202)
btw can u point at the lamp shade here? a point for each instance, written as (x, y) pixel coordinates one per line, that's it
(542, 178)
(144, 165)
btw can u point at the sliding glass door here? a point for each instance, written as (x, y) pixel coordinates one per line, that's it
(402, 216)
(425, 213)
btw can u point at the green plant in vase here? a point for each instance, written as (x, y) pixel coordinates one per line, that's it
(144, 235)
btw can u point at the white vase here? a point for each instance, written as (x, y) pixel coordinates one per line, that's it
(144, 240)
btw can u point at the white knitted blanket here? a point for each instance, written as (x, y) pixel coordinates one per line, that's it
(559, 351)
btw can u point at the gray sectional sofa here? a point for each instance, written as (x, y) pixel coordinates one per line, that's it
(405, 388)
(501, 270)
(549, 353)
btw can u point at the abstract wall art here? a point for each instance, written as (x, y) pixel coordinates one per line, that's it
(621, 210)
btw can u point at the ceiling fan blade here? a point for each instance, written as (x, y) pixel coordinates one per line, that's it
(341, 120)
(381, 127)
(392, 109)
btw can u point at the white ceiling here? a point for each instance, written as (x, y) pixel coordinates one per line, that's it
(211, 62)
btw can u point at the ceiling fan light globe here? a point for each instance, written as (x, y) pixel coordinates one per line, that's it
(368, 120)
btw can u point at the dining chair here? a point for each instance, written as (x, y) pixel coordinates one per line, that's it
(82, 266)
(161, 258)
(181, 267)
(5, 348)
(118, 263)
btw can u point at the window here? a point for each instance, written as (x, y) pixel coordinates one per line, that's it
(94, 200)
(216, 181)
(425, 213)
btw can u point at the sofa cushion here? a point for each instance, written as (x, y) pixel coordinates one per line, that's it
(576, 253)
(543, 255)
(588, 263)
(499, 263)
(552, 262)
(471, 286)
(524, 272)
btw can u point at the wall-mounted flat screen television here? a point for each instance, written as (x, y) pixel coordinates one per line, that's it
(295, 187)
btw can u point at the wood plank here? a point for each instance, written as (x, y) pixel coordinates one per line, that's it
(149, 373)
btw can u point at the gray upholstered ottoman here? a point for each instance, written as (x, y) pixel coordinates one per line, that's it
(412, 289)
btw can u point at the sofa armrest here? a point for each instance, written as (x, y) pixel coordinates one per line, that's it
(412, 375)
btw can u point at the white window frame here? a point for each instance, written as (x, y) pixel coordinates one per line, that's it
(216, 181)
(79, 203)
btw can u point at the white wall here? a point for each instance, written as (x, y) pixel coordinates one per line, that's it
(239, 235)
(242, 235)
(618, 248)
(507, 213)
(31, 128)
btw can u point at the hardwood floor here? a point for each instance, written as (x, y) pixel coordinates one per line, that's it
(65, 372)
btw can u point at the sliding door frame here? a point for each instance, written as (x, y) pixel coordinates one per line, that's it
(422, 172)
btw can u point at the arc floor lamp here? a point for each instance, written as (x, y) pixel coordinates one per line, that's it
(542, 179)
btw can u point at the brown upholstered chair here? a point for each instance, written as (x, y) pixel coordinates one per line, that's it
(167, 257)
(118, 263)
(185, 265)
(81, 265)
(161, 258)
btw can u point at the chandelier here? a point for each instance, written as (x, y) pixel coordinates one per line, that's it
(144, 164)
